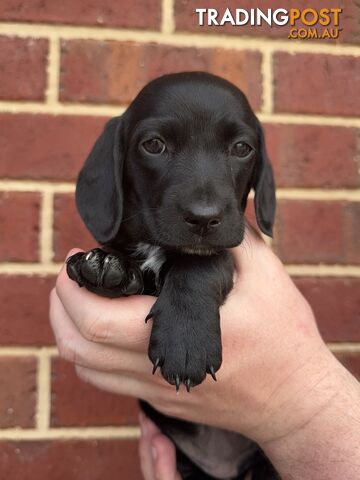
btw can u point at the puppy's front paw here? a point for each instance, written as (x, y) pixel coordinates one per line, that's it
(185, 342)
(105, 273)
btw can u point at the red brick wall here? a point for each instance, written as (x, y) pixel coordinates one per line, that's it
(65, 67)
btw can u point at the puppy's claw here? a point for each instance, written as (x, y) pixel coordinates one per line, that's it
(187, 384)
(89, 255)
(212, 373)
(151, 315)
(156, 364)
(177, 382)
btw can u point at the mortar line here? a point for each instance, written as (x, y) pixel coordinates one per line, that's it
(318, 194)
(167, 17)
(184, 39)
(113, 110)
(81, 433)
(309, 119)
(333, 271)
(41, 269)
(53, 71)
(267, 82)
(43, 405)
(51, 188)
(61, 108)
(25, 351)
(344, 347)
(46, 227)
(311, 270)
(45, 186)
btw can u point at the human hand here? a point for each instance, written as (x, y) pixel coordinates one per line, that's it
(273, 356)
(157, 452)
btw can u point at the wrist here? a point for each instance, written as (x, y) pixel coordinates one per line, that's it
(319, 436)
(306, 390)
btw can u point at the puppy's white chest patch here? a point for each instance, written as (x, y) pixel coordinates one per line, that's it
(154, 257)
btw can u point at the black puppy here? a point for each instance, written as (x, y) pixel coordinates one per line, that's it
(164, 192)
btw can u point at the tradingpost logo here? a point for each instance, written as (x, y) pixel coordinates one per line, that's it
(307, 23)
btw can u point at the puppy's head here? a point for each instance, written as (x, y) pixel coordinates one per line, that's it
(175, 170)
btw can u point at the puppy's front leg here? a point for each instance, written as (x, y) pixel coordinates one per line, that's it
(186, 339)
(107, 274)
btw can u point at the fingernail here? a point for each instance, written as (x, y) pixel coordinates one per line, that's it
(153, 452)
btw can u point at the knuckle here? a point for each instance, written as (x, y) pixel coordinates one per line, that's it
(58, 284)
(129, 330)
(96, 329)
(52, 294)
(52, 307)
(66, 349)
(82, 373)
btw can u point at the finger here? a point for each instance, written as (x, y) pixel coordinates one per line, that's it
(118, 321)
(148, 430)
(75, 348)
(157, 452)
(122, 384)
(165, 458)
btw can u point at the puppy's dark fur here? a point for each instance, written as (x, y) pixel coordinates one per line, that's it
(164, 191)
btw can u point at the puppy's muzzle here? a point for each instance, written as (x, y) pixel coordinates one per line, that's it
(203, 219)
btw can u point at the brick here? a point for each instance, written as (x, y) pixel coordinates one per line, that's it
(317, 231)
(78, 404)
(57, 152)
(24, 313)
(336, 304)
(22, 68)
(351, 232)
(316, 83)
(71, 459)
(243, 69)
(351, 361)
(187, 20)
(19, 226)
(314, 156)
(69, 229)
(133, 14)
(17, 392)
(230, 64)
(93, 71)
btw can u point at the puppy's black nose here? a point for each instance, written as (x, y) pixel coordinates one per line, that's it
(203, 219)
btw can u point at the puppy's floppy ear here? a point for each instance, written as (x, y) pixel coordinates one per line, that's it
(99, 195)
(264, 185)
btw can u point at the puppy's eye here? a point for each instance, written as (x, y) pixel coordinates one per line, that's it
(241, 149)
(154, 146)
